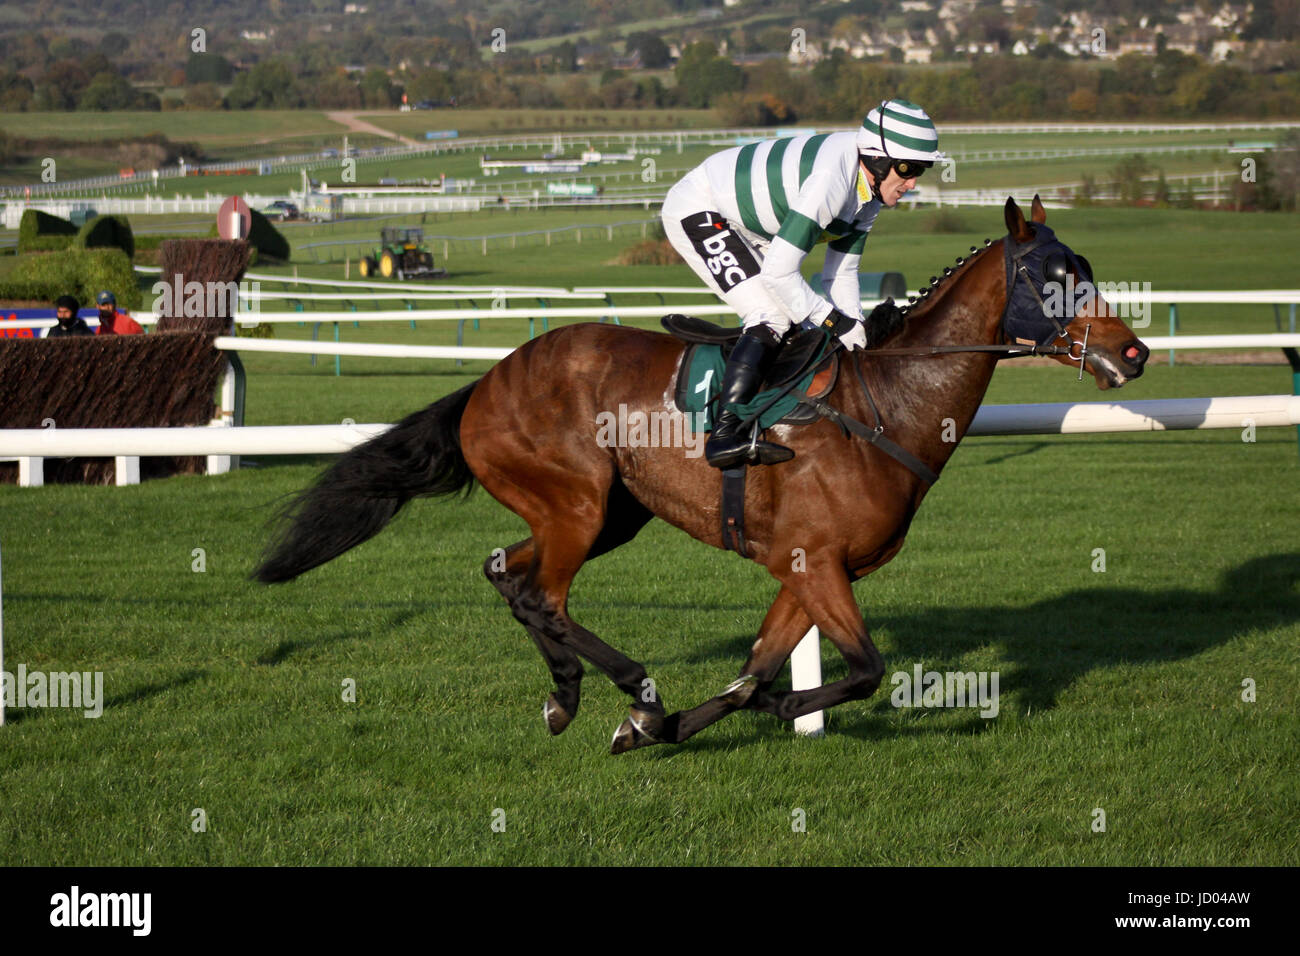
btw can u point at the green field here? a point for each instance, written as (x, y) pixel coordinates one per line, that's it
(1120, 690)
(253, 134)
(1169, 248)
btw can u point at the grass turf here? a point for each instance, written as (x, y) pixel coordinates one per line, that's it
(1120, 690)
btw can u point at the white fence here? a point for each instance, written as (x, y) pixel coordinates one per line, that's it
(1046, 419)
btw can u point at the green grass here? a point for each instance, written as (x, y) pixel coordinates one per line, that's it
(213, 129)
(487, 122)
(1118, 690)
(1169, 248)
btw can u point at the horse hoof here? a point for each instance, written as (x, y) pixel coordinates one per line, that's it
(738, 692)
(641, 729)
(556, 717)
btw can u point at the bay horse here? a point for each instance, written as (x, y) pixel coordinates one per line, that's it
(527, 432)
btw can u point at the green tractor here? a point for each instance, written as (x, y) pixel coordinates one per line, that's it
(401, 255)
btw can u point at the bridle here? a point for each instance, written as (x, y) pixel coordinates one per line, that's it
(1016, 269)
(1015, 255)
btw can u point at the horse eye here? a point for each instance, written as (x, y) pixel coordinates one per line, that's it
(1087, 266)
(1055, 268)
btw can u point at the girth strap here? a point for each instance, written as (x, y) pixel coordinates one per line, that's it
(733, 511)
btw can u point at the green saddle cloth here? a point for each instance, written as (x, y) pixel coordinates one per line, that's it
(704, 378)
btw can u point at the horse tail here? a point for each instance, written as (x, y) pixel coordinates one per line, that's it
(362, 491)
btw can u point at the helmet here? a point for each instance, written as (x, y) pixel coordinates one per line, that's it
(899, 129)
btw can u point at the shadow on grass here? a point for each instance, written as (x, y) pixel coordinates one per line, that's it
(134, 696)
(1046, 647)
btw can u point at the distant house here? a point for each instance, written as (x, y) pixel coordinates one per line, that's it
(812, 53)
(355, 8)
(915, 47)
(1225, 49)
(257, 36)
(956, 9)
(754, 59)
(1185, 37)
(1232, 17)
(1139, 41)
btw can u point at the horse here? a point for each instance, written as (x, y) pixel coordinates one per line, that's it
(527, 432)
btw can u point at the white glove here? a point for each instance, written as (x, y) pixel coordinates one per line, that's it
(855, 338)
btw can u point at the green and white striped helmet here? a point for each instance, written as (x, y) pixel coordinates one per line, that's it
(900, 130)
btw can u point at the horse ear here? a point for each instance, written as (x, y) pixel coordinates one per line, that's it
(1036, 212)
(1016, 221)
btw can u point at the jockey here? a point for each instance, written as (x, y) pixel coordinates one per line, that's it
(745, 218)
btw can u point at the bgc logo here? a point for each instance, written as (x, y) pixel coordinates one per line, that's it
(728, 257)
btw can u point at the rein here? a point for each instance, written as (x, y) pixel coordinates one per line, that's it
(1015, 270)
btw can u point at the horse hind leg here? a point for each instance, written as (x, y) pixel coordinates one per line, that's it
(535, 577)
(508, 570)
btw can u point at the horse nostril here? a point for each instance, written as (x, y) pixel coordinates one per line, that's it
(1131, 352)
(1136, 354)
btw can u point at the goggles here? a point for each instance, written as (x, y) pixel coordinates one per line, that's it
(909, 168)
(906, 168)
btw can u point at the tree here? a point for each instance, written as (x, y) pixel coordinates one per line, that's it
(268, 85)
(653, 50)
(203, 96)
(377, 90)
(106, 92)
(61, 86)
(433, 85)
(114, 44)
(1128, 173)
(1278, 175)
(702, 75)
(1082, 102)
(207, 68)
(15, 92)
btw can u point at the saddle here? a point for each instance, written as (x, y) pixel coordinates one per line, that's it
(798, 349)
(771, 408)
(803, 405)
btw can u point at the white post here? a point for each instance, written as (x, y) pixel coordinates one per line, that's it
(128, 469)
(805, 674)
(31, 472)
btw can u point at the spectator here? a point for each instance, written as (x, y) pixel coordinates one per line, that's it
(65, 310)
(113, 322)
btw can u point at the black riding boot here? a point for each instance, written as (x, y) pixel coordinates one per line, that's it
(728, 446)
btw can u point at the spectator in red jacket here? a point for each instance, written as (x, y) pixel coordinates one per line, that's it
(113, 322)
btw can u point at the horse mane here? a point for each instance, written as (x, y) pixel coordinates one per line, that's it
(882, 328)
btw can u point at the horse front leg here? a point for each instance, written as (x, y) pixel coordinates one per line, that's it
(783, 627)
(828, 589)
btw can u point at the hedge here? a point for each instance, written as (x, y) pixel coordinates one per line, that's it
(112, 232)
(40, 232)
(79, 272)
